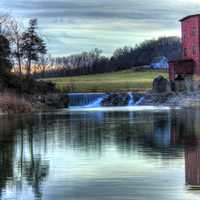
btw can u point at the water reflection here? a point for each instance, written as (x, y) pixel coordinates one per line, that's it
(101, 155)
(192, 166)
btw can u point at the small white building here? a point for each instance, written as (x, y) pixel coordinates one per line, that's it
(159, 63)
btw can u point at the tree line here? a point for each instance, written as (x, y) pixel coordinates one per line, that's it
(94, 61)
(27, 53)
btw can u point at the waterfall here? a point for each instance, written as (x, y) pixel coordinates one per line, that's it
(131, 101)
(85, 99)
(94, 100)
(139, 101)
(96, 103)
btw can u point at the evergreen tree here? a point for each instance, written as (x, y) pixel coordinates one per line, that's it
(32, 45)
(5, 64)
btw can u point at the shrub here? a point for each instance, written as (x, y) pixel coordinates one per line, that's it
(26, 85)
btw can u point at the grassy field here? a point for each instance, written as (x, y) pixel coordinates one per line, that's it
(127, 80)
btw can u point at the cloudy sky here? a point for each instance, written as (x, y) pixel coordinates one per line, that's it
(72, 26)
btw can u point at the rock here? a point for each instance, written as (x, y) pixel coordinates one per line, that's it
(116, 99)
(51, 100)
(56, 100)
(161, 85)
(137, 97)
(155, 99)
(120, 99)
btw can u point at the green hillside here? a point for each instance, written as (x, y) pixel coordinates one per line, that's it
(127, 80)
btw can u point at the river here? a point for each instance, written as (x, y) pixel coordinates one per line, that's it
(101, 154)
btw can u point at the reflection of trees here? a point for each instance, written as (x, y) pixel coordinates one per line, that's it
(164, 133)
(6, 151)
(32, 168)
(13, 138)
(6, 165)
(35, 173)
(154, 134)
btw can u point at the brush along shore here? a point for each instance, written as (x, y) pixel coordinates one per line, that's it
(12, 103)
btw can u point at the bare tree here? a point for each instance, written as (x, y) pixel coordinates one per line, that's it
(15, 37)
(12, 29)
(43, 64)
(3, 19)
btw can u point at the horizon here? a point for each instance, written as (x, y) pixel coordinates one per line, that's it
(73, 27)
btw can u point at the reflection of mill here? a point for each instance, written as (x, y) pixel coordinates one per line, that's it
(185, 131)
(192, 153)
(192, 166)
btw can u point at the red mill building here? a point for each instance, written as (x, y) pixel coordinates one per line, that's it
(190, 64)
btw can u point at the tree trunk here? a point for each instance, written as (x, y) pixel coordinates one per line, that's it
(19, 59)
(29, 67)
(19, 65)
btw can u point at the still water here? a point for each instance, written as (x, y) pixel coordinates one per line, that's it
(101, 155)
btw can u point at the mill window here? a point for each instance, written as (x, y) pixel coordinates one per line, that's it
(193, 32)
(185, 52)
(194, 50)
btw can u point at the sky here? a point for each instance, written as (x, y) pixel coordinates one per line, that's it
(73, 26)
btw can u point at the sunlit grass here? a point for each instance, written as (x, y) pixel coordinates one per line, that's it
(127, 80)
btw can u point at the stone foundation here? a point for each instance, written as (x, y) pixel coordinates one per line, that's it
(186, 85)
(161, 85)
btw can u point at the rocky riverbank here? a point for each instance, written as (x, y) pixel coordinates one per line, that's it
(26, 95)
(48, 101)
(160, 95)
(11, 103)
(184, 99)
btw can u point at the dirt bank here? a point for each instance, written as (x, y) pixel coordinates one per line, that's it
(11, 103)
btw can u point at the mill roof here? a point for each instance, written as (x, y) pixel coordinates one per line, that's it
(189, 16)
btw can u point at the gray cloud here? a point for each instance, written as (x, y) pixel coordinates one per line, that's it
(72, 26)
